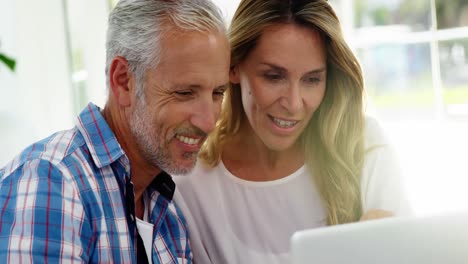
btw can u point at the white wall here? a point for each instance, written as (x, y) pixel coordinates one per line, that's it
(89, 36)
(228, 7)
(36, 99)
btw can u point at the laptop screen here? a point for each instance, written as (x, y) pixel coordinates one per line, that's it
(441, 239)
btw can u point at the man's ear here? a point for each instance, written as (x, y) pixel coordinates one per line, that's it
(121, 81)
(234, 75)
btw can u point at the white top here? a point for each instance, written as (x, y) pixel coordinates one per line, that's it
(145, 230)
(231, 220)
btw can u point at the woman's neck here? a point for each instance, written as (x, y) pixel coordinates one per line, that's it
(248, 158)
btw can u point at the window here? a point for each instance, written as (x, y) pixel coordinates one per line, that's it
(415, 62)
(86, 43)
(413, 54)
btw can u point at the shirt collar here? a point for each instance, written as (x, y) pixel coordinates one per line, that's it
(164, 185)
(101, 141)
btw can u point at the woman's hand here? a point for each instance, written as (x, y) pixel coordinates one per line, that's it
(375, 214)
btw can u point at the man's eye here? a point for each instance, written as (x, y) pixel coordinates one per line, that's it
(184, 93)
(219, 93)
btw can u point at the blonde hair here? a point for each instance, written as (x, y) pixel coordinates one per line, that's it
(333, 140)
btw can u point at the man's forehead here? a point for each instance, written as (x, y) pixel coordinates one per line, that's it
(178, 45)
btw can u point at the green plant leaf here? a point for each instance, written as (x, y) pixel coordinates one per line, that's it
(9, 62)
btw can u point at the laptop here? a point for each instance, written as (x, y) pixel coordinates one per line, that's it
(441, 239)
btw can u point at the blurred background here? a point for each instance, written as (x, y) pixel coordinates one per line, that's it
(414, 55)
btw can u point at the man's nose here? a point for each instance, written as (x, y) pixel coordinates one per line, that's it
(204, 115)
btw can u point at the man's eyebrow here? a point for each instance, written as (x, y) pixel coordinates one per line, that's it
(198, 86)
(223, 86)
(186, 86)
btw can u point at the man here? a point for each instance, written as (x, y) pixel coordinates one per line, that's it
(99, 193)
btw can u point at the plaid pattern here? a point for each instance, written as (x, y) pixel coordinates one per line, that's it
(62, 200)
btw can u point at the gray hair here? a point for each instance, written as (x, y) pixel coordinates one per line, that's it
(136, 28)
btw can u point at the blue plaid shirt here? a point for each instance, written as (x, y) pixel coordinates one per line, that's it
(62, 200)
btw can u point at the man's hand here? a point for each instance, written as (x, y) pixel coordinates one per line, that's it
(375, 214)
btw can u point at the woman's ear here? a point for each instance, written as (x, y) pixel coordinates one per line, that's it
(121, 81)
(234, 75)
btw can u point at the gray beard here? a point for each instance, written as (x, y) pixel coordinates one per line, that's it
(148, 140)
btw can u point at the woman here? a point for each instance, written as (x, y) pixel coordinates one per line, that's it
(293, 149)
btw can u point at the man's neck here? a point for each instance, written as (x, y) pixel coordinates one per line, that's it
(142, 172)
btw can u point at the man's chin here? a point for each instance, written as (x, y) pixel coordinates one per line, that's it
(181, 167)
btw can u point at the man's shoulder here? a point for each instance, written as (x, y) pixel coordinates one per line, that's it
(52, 151)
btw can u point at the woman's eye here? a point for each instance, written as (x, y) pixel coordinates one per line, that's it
(313, 80)
(273, 76)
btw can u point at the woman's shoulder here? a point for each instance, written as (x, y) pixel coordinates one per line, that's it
(382, 181)
(198, 193)
(374, 133)
(201, 174)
